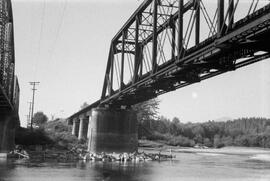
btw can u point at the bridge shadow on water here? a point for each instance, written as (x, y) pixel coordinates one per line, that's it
(75, 171)
(116, 171)
(186, 166)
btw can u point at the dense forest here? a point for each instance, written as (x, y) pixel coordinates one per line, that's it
(250, 132)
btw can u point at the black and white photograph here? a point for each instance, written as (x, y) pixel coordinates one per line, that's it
(134, 90)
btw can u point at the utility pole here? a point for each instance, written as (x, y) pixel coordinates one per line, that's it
(29, 114)
(27, 118)
(33, 100)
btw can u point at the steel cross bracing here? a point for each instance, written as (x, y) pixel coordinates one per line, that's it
(168, 44)
(9, 87)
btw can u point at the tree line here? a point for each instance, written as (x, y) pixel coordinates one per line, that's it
(249, 132)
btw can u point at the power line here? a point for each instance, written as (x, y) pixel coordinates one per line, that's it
(58, 28)
(40, 37)
(33, 100)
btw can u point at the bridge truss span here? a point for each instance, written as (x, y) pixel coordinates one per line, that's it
(169, 44)
(9, 86)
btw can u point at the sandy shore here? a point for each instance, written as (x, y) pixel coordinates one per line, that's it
(232, 150)
(226, 150)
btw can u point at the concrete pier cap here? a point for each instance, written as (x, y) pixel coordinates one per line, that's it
(112, 130)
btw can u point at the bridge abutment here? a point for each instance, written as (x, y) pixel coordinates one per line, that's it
(8, 124)
(113, 130)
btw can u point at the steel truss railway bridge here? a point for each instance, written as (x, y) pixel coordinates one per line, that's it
(166, 45)
(9, 86)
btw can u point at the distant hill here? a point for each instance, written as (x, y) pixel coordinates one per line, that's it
(223, 119)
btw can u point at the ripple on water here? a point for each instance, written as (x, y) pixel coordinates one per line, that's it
(211, 154)
(260, 157)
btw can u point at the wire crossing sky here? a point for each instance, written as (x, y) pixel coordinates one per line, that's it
(64, 45)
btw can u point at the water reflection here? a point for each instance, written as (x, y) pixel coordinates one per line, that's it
(187, 166)
(114, 170)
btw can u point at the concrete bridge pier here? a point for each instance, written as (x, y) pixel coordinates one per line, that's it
(75, 127)
(83, 128)
(113, 130)
(8, 124)
(89, 125)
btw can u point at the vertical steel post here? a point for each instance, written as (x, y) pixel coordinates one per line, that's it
(220, 19)
(155, 36)
(197, 26)
(141, 60)
(172, 25)
(112, 69)
(106, 78)
(136, 59)
(122, 60)
(231, 15)
(180, 27)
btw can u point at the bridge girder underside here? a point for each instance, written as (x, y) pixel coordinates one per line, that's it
(159, 26)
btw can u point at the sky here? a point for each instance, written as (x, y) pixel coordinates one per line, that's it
(64, 45)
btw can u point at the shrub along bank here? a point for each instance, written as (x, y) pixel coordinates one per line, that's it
(52, 135)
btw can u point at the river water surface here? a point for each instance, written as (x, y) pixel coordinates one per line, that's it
(232, 165)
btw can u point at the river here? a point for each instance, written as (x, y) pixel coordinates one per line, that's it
(233, 164)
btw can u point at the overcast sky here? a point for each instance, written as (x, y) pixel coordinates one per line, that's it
(64, 45)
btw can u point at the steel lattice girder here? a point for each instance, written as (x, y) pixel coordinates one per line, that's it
(187, 69)
(230, 45)
(7, 59)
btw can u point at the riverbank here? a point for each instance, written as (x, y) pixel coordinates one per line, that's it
(147, 145)
(229, 150)
(80, 152)
(232, 150)
(60, 145)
